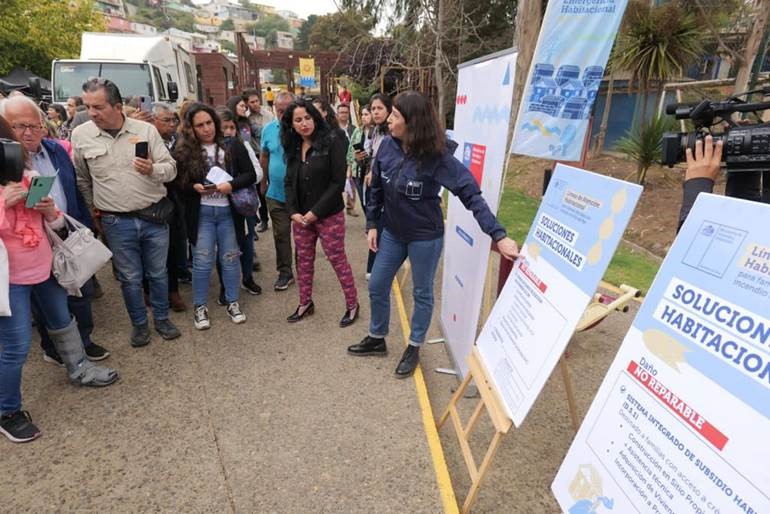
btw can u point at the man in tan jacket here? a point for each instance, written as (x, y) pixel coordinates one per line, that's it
(122, 164)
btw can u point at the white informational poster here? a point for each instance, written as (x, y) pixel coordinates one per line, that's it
(482, 114)
(574, 235)
(681, 422)
(563, 82)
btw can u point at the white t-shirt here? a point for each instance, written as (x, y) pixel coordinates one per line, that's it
(215, 199)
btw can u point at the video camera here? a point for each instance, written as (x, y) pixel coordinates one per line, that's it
(746, 147)
(11, 161)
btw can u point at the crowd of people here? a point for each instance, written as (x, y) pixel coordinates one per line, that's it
(176, 193)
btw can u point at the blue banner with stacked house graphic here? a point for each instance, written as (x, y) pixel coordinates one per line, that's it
(571, 54)
(681, 420)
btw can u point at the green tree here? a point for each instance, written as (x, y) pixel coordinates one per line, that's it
(303, 36)
(267, 28)
(656, 44)
(32, 34)
(340, 31)
(228, 24)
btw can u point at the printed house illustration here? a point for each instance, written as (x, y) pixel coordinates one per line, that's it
(545, 86)
(566, 73)
(549, 105)
(542, 70)
(567, 95)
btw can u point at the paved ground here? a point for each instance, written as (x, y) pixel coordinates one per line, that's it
(269, 417)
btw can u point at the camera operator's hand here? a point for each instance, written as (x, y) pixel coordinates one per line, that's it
(13, 193)
(705, 161)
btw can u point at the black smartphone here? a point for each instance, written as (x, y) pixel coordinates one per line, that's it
(209, 186)
(142, 150)
(358, 147)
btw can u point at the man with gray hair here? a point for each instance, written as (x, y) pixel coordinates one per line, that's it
(48, 158)
(271, 158)
(122, 165)
(165, 120)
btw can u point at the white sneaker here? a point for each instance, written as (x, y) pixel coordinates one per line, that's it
(201, 317)
(234, 311)
(368, 276)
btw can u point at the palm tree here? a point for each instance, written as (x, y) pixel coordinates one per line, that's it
(656, 44)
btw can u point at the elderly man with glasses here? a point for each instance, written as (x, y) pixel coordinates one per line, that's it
(49, 158)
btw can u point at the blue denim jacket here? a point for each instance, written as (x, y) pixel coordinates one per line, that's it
(409, 189)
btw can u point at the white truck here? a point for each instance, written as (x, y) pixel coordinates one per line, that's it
(148, 66)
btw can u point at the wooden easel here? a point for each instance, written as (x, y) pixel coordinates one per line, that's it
(500, 420)
(599, 308)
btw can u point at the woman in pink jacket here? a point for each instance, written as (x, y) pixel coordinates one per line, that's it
(29, 273)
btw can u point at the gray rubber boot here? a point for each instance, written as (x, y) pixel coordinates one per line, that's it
(81, 371)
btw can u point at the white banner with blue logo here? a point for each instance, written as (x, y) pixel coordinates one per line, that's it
(574, 235)
(482, 115)
(682, 418)
(572, 51)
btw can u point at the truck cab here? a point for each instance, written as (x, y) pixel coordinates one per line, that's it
(148, 66)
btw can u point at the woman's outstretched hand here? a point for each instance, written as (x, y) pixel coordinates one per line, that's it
(508, 248)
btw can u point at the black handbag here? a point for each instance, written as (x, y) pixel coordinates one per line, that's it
(160, 212)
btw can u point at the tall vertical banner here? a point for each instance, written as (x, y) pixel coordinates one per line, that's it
(482, 114)
(574, 235)
(572, 51)
(681, 422)
(307, 72)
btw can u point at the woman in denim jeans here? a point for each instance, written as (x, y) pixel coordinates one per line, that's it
(408, 171)
(214, 227)
(30, 258)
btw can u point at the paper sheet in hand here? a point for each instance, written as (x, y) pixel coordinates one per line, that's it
(217, 175)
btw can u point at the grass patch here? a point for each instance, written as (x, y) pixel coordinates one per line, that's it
(517, 211)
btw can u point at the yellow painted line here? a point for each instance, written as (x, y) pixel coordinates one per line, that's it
(434, 442)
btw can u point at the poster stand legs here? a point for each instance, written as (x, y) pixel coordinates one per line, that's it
(599, 308)
(500, 420)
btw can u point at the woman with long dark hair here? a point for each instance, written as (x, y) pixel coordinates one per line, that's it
(380, 105)
(315, 178)
(30, 258)
(214, 227)
(410, 167)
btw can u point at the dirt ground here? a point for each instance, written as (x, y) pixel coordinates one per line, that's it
(653, 225)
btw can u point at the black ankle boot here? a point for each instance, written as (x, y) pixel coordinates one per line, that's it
(369, 346)
(408, 362)
(301, 313)
(350, 316)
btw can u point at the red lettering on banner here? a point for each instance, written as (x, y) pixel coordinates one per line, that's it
(678, 406)
(532, 277)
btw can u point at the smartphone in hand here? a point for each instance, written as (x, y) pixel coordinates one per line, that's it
(142, 150)
(358, 147)
(145, 103)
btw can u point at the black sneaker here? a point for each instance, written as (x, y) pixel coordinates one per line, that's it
(185, 277)
(94, 352)
(256, 266)
(140, 335)
(283, 282)
(251, 286)
(53, 357)
(18, 427)
(222, 300)
(262, 226)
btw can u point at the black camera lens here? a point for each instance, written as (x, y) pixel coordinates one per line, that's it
(11, 161)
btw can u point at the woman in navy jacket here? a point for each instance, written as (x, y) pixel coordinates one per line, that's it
(411, 166)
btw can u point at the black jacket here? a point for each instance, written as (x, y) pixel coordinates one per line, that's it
(325, 176)
(243, 175)
(409, 192)
(690, 191)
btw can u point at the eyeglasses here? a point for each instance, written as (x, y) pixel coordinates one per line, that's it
(22, 128)
(168, 120)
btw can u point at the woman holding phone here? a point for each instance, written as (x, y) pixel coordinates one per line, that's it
(358, 159)
(315, 178)
(30, 258)
(214, 227)
(410, 167)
